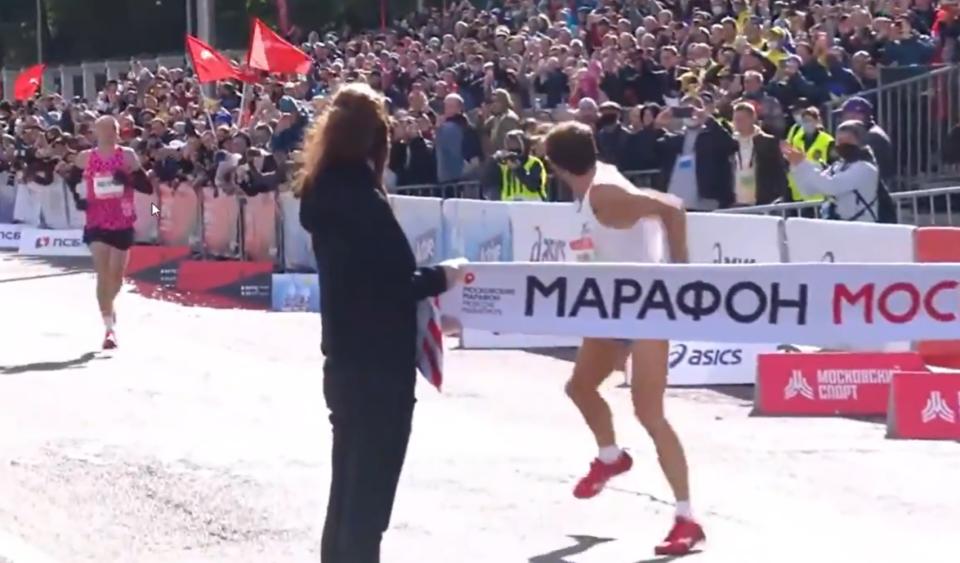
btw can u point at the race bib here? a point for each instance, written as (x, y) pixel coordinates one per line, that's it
(583, 248)
(106, 187)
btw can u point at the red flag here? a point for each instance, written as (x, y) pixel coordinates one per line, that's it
(28, 82)
(272, 53)
(209, 64)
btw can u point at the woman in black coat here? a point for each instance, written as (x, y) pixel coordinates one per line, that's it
(369, 290)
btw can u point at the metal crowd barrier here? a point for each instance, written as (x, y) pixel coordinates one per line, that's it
(917, 106)
(809, 209)
(932, 206)
(556, 191)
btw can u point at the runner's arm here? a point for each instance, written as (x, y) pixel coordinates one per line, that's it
(75, 177)
(620, 208)
(137, 176)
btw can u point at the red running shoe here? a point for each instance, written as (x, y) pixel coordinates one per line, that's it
(683, 537)
(600, 472)
(110, 340)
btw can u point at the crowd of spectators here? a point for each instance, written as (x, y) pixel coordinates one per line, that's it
(472, 89)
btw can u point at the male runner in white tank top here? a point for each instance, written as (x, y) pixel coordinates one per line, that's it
(623, 223)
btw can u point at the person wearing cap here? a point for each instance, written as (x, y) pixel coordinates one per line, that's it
(810, 138)
(611, 135)
(852, 183)
(859, 109)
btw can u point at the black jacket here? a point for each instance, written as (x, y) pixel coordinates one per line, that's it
(369, 282)
(771, 169)
(713, 150)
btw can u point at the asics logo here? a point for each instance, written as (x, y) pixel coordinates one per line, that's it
(798, 387)
(677, 353)
(937, 408)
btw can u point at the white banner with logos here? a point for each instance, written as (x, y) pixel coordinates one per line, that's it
(422, 221)
(43, 242)
(483, 231)
(755, 303)
(10, 236)
(541, 232)
(710, 363)
(297, 244)
(814, 240)
(719, 238)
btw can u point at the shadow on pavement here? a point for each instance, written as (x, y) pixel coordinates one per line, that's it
(61, 266)
(666, 558)
(583, 544)
(565, 354)
(75, 363)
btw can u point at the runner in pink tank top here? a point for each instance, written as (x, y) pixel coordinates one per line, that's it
(109, 201)
(110, 174)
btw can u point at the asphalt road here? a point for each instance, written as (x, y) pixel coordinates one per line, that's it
(204, 438)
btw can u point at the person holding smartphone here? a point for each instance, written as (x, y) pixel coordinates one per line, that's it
(695, 162)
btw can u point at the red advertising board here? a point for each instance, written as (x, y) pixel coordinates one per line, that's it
(830, 383)
(226, 284)
(939, 244)
(924, 406)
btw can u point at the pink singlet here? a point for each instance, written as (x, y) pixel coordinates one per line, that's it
(109, 204)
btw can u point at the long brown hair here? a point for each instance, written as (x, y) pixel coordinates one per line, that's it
(353, 129)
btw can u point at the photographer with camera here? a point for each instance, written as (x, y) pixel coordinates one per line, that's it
(514, 174)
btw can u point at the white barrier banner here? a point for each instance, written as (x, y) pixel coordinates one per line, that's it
(422, 221)
(542, 232)
(42, 242)
(10, 236)
(718, 238)
(712, 363)
(815, 303)
(297, 244)
(816, 240)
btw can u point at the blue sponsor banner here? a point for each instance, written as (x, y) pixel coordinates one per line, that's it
(480, 231)
(421, 220)
(296, 292)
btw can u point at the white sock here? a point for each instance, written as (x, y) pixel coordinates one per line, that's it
(108, 322)
(609, 454)
(683, 510)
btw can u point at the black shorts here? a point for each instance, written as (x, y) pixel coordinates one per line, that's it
(121, 239)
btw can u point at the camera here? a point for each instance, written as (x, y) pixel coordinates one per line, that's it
(505, 156)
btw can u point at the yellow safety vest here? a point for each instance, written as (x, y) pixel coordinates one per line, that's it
(512, 189)
(818, 152)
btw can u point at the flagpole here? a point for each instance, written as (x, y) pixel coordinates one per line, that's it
(39, 31)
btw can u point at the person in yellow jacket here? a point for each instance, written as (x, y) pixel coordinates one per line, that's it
(516, 175)
(816, 143)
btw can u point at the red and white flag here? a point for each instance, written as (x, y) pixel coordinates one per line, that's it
(430, 342)
(272, 53)
(28, 82)
(209, 64)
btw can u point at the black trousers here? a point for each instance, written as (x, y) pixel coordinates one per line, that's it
(371, 412)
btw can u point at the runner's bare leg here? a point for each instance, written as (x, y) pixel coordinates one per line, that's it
(596, 360)
(647, 387)
(101, 264)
